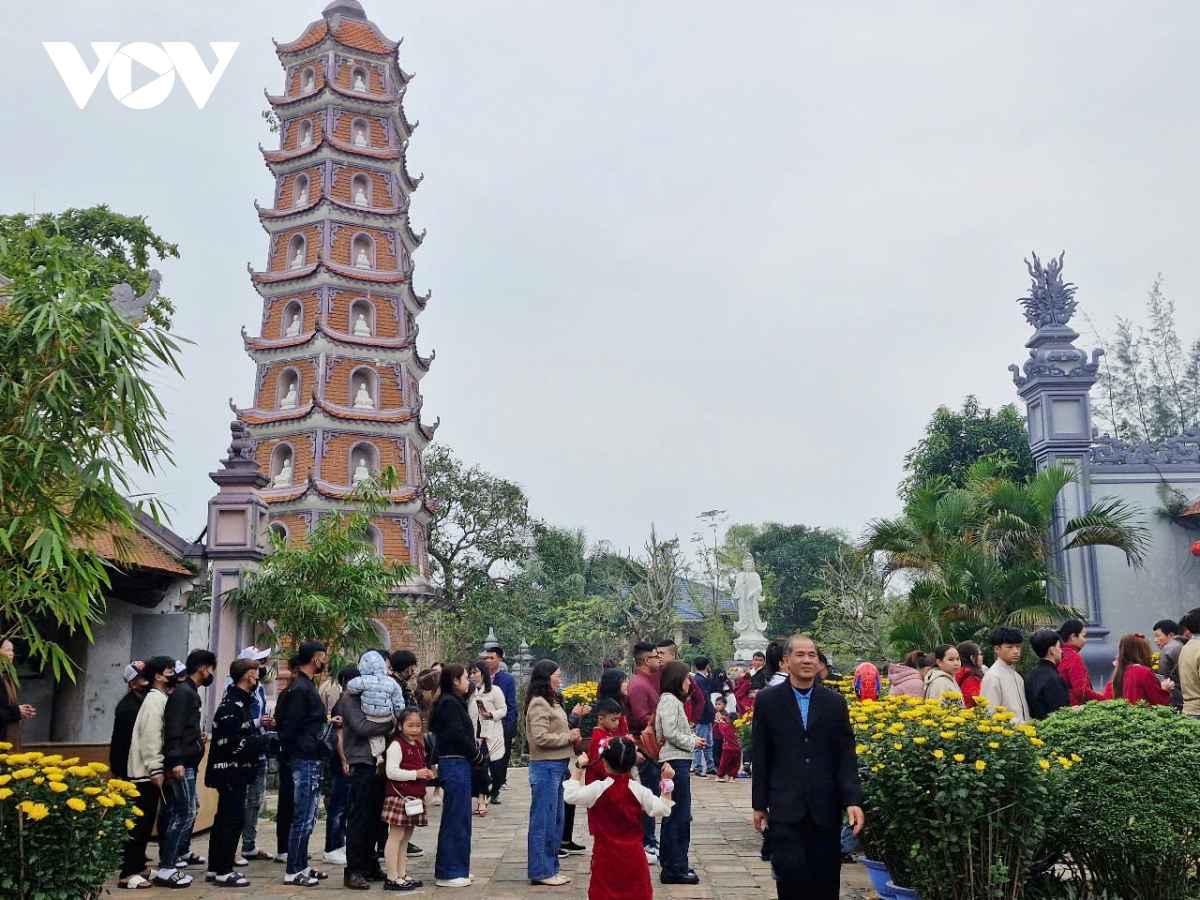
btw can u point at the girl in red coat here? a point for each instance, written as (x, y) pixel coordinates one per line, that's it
(970, 676)
(615, 806)
(731, 750)
(1134, 680)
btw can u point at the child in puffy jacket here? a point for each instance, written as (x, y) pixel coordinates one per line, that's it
(381, 696)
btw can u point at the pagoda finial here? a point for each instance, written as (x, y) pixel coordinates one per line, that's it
(348, 9)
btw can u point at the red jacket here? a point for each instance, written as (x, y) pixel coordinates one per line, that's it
(1073, 671)
(1140, 684)
(643, 701)
(971, 686)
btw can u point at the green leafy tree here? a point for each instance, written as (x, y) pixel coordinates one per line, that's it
(481, 531)
(1149, 384)
(954, 441)
(79, 415)
(330, 586)
(854, 610)
(790, 558)
(984, 554)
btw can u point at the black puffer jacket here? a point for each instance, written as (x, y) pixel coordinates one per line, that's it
(182, 745)
(233, 759)
(300, 718)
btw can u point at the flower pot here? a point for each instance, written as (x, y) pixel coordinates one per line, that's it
(901, 893)
(880, 878)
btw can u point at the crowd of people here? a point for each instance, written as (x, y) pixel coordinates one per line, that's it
(1059, 677)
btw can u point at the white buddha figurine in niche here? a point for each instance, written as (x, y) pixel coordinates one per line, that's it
(306, 137)
(302, 197)
(361, 326)
(360, 137)
(310, 82)
(284, 478)
(362, 261)
(362, 399)
(359, 84)
(298, 259)
(361, 472)
(360, 196)
(294, 328)
(291, 397)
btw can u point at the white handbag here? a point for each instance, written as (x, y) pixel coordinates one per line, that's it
(414, 806)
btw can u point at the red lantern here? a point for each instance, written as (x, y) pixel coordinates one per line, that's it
(1196, 549)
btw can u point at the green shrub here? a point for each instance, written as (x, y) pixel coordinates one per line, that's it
(1130, 817)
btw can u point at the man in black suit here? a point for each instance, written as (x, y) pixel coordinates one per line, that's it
(804, 776)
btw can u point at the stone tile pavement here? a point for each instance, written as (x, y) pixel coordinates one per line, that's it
(725, 854)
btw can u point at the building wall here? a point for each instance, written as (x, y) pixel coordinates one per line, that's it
(337, 389)
(275, 326)
(386, 324)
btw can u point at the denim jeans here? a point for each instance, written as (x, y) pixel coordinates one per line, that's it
(254, 798)
(546, 777)
(850, 842)
(702, 760)
(454, 834)
(339, 798)
(181, 808)
(650, 775)
(306, 778)
(677, 827)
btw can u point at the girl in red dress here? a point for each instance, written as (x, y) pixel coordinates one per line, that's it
(731, 750)
(615, 805)
(1134, 680)
(407, 773)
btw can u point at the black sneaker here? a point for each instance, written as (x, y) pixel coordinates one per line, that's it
(562, 854)
(415, 852)
(572, 848)
(495, 800)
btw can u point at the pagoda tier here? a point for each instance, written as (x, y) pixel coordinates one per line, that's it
(338, 389)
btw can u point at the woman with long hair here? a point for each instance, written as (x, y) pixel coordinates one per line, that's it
(487, 708)
(456, 749)
(942, 678)
(550, 740)
(614, 685)
(970, 675)
(771, 671)
(674, 733)
(1133, 679)
(12, 711)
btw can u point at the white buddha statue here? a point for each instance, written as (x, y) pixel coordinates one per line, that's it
(284, 478)
(302, 197)
(291, 397)
(294, 328)
(298, 259)
(310, 82)
(359, 84)
(306, 137)
(362, 261)
(748, 595)
(361, 325)
(360, 138)
(361, 472)
(360, 196)
(362, 399)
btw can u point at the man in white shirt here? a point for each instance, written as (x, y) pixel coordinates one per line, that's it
(1002, 686)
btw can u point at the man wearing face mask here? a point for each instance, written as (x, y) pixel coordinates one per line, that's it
(183, 748)
(300, 717)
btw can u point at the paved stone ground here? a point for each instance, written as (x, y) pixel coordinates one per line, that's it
(725, 854)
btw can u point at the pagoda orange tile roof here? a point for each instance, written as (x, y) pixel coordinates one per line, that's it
(357, 274)
(133, 548)
(361, 37)
(316, 33)
(286, 155)
(369, 152)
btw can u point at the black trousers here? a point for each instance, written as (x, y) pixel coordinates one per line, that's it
(227, 828)
(500, 766)
(363, 811)
(287, 808)
(806, 859)
(133, 861)
(568, 823)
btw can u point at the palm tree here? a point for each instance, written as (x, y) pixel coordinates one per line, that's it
(986, 553)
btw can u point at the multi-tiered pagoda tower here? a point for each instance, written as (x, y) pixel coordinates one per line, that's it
(338, 394)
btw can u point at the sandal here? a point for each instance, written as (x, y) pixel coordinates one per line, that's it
(233, 879)
(300, 878)
(313, 873)
(176, 880)
(135, 883)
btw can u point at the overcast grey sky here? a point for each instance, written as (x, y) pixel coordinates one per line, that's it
(683, 255)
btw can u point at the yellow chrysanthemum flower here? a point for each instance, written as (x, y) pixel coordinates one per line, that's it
(939, 753)
(947, 735)
(5, 745)
(76, 804)
(980, 765)
(57, 786)
(1045, 764)
(959, 757)
(98, 767)
(129, 824)
(5, 793)
(105, 801)
(5, 779)
(994, 745)
(137, 811)
(919, 740)
(91, 790)
(24, 773)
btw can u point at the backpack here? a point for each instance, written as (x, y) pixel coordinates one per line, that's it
(648, 741)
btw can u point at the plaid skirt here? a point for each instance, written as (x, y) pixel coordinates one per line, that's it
(393, 814)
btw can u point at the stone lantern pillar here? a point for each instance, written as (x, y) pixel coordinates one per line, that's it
(237, 540)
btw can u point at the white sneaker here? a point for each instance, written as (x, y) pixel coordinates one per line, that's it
(280, 858)
(337, 857)
(651, 855)
(454, 882)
